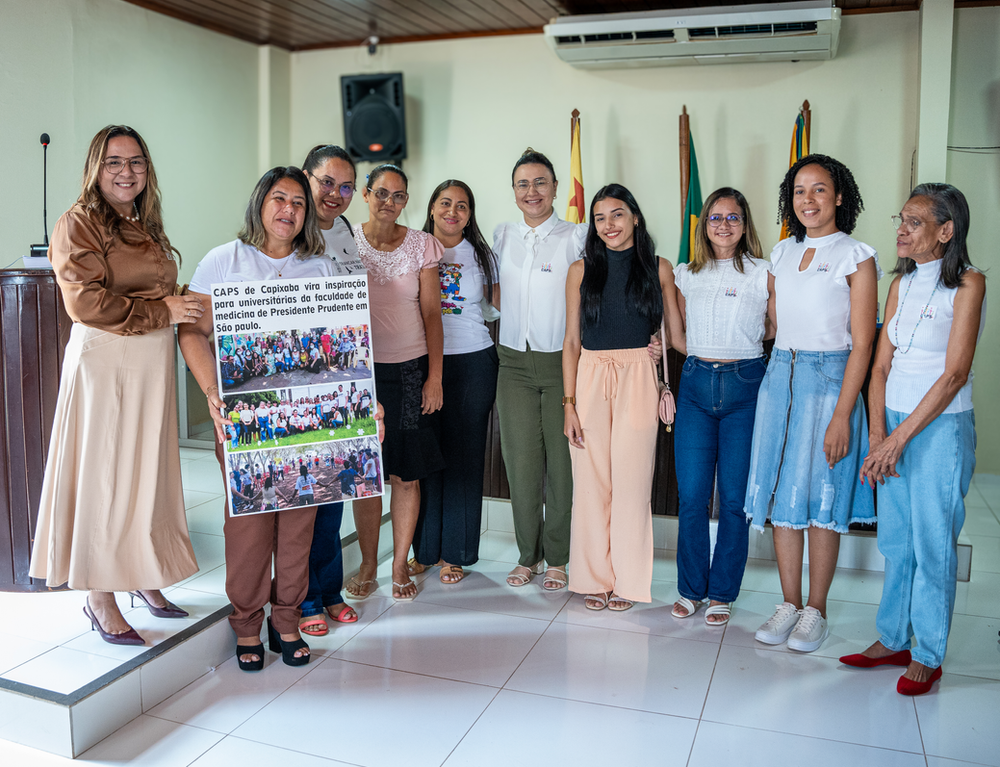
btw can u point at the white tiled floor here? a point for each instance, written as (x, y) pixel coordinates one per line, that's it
(479, 674)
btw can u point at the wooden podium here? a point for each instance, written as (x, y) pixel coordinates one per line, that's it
(34, 329)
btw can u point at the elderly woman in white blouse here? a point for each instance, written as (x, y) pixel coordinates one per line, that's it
(923, 432)
(535, 255)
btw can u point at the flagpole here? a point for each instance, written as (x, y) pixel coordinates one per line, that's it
(573, 120)
(807, 116)
(685, 150)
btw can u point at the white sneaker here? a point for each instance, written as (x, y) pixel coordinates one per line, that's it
(810, 632)
(777, 628)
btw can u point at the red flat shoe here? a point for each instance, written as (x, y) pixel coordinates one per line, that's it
(901, 658)
(908, 687)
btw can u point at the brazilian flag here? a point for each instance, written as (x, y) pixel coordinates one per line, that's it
(692, 209)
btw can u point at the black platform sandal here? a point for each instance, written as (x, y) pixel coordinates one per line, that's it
(287, 649)
(250, 649)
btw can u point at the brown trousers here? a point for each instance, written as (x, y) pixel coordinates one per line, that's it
(611, 547)
(252, 540)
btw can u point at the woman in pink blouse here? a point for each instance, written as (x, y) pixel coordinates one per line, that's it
(405, 301)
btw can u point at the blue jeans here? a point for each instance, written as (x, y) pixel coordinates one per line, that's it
(716, 404)
(920, 514)
(326, 561)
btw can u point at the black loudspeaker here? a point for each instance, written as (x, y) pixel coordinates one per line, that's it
(374, 118)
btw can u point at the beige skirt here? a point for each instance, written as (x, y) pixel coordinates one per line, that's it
(111, 516)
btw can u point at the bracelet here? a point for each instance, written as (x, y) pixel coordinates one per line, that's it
(569, 401)
(208, 391)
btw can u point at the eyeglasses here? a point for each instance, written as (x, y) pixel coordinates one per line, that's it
(907, 224)
(328, 184)
(732, 219)
(540, 184)
(383, 195)
(116, 165)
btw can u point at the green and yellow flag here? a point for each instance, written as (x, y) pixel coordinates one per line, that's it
(692, 209)
(799, 148)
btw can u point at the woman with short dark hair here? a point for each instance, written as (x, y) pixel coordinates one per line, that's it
(535, 254)
(280, 239)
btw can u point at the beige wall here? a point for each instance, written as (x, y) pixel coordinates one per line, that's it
(975, 121)
(70, 67)
(474, 105)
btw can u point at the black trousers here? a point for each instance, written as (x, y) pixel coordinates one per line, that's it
(451, 500)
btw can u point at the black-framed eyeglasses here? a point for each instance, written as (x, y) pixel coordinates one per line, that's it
(733, 219)
(328, 184)
(116, 165)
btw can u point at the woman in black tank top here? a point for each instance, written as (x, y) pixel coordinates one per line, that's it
(616, 298)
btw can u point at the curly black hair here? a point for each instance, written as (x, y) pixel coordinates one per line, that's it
(844, 184)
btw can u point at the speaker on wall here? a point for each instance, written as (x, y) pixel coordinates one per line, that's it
(374, 118)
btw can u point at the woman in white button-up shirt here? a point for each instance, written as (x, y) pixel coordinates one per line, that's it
(535, 254)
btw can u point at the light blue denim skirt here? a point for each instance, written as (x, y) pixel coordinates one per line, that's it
(790, 481)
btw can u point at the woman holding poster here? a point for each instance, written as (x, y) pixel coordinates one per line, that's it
(280, 239)
(405, 304)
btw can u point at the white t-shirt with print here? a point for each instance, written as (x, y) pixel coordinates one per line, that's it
(463, 286)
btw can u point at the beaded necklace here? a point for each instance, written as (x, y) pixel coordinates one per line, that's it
(920, 317)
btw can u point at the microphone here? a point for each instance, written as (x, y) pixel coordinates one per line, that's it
(43, 249)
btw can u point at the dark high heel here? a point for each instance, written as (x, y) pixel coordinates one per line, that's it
(126, 637)
(250, 649)
(169, 611)
(287, 649)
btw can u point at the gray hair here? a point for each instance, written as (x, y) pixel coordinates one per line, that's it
(309, 242)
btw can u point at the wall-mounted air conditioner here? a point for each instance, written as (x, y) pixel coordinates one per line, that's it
(722, 35)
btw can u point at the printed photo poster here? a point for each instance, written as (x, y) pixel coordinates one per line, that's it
(295, 370)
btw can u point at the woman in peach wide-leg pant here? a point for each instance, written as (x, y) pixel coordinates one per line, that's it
(615, 300)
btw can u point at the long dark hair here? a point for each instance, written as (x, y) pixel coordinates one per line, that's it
(844, 184)
(947, 204)
(643, 286)
(485, 256)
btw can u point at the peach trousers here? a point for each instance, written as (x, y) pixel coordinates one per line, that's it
(611, 544)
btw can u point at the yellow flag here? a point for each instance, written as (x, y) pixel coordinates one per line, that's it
(576, 209)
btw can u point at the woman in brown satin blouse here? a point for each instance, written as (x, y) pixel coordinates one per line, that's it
(111, 516)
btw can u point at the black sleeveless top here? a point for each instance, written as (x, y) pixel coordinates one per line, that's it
(620, 325)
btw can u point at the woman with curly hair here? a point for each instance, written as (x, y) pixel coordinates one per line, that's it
(810, 432)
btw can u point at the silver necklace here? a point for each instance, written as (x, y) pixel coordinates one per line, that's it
(920, 317)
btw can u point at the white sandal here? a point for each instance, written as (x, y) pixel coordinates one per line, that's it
(522, 574)
(601, 599)
(619, 604)
(722, 609)
(687, 604)
(552, 582)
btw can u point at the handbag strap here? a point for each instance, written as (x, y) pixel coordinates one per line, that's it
(663, 343)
